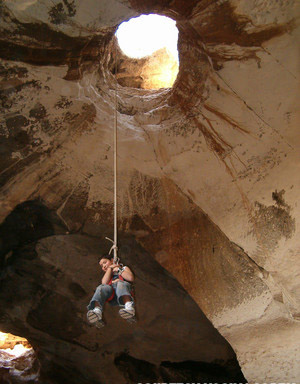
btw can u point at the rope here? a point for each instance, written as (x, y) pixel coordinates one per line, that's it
(115, 241)
(115, 168)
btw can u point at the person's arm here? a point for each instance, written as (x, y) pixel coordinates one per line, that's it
(127, 274)
(108, 275)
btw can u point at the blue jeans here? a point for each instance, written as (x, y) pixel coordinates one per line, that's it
(104, 292)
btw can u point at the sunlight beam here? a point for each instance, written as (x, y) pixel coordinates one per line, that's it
(143, 35)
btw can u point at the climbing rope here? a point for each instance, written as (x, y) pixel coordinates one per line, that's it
(115, 241)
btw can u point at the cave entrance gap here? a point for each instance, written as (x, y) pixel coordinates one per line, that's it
(149, 43)
(18, 361)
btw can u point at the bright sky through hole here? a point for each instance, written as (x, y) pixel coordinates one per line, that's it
(141, 36)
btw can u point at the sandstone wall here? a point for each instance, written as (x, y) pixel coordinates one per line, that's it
(208, 170)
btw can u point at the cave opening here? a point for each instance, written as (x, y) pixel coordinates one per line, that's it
(148, 45)
(198, 162)
(18, 360)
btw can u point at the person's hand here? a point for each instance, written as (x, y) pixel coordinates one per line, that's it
(113, 266)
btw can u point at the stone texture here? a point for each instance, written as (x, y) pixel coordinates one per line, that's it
(45, 295)
(156, 71)
(18, 369)
(208, 170)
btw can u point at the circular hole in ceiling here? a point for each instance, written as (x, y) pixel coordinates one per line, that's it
(150, 43)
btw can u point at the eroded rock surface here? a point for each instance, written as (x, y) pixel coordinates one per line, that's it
(45, 293)
(208, 170)
(156, 71)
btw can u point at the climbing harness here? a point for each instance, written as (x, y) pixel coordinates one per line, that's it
(121, 278)
(115, 241)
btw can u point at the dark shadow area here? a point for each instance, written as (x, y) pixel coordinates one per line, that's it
(28, 222)
(199, 371)
(62, 374)
(136, 370)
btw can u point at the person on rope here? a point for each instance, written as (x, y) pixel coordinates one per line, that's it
(116, 289)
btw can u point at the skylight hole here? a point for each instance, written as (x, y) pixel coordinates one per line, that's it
(146, 36)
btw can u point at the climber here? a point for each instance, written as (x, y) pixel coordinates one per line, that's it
(116, 289)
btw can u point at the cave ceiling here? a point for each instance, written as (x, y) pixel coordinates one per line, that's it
(208, 170)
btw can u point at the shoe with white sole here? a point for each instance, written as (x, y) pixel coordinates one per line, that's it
(94, 317)
(128, 312)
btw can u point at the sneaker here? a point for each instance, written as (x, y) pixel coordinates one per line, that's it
(128, 312)
(94, 317)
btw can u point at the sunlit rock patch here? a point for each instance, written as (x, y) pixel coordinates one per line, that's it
(18, 362)
(208, 180)
(156, 71)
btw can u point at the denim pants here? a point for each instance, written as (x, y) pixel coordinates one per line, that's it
(104, 292)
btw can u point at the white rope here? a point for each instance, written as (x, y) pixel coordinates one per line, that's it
(115, 241)
(115, 244)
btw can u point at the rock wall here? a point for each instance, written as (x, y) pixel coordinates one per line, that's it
(45, 293)
(156, 71)
(208, 170)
